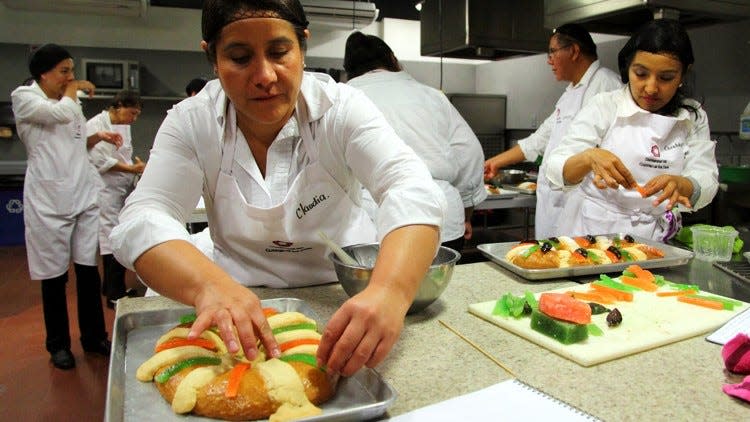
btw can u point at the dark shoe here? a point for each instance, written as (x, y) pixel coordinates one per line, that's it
(103, 347)
(63, 359)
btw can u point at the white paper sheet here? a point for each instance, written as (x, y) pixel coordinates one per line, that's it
(736, 325)
(510, 400)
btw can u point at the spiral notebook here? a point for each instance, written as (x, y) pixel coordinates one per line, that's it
(509, 400)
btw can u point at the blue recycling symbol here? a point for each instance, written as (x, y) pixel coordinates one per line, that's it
(14, 206)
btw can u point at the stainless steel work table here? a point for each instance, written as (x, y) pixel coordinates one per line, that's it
(429, 364)
(522, 200)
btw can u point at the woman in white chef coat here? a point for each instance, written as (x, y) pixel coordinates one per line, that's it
(118, 170)
(60, 187)
(572, 56)
(426, 120)
(638, 152)
(278, 155)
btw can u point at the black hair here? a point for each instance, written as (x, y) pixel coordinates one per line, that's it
(195, 86)
(572, 33)
(45, 58)
(126, 98)
(666, 37)
(364, 53)
(219, 13)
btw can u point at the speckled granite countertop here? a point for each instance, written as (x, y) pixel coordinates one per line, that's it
(429, 364)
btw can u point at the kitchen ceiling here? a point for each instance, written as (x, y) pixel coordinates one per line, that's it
(397, 9)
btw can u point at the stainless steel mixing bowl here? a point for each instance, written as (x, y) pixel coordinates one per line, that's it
(354, 278)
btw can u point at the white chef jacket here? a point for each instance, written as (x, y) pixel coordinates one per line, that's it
(357, 146)
(593, 121)
(117, 184)
(60, 186)
(596, 79)
(426, 120)
(551, 200)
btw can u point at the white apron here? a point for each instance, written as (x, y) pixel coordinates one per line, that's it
(280, 246)
(61, 217)
(648, 145)
(117, 187)
(550, 199)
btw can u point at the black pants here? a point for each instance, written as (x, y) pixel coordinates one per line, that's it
(113, 286)
(90, 313)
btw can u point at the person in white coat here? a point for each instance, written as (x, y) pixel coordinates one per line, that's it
(118, 170)
(61, 217)
(279, 155)
(573, 57)
(641, 153)
(426, 120)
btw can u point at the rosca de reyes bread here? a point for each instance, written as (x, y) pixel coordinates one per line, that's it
(200, 377)
(565, 251)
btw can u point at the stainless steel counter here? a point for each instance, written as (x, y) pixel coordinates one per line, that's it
(429, 364)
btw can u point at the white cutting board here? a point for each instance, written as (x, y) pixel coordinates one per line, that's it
(648, 322)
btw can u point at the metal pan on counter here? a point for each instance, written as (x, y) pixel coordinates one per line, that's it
(363, 396)
(672, 256)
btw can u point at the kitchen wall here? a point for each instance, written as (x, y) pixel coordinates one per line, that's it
(165, 43)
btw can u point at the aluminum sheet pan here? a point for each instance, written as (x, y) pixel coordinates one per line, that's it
(672, 256)
(515, 188)
(360, 397)
(504, 193)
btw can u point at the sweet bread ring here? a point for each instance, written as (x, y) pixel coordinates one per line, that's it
(200, 377)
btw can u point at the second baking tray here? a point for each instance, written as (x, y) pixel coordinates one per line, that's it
(672, 256)
(360, 397)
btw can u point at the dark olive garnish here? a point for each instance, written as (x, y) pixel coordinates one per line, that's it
(554, 240)
(629, 238)
(589, 238)
(614, 318)
(546, 247)
(616, 251)
(583, 252)
(534, 241)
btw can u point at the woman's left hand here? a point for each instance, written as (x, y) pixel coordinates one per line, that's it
(362, 331)
(674, 189)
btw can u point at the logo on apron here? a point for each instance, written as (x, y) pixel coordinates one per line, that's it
(284, 246)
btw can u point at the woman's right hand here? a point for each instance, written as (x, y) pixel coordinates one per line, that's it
(71, 90)
(236, 311)
(491, 166)
(608, 170)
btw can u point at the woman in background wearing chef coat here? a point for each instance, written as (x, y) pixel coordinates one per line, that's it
(118, 170)
(278, 155)
(426, 120)
(639, 151)
(572, 56)
(59, 194)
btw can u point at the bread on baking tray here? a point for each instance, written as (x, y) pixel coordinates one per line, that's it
(565, 251)
(201, 377)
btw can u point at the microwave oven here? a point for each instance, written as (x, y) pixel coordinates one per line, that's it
(111, 76)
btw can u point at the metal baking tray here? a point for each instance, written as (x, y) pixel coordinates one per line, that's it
(672, 256)
(515, 188)
(362, 396)
(504, 193)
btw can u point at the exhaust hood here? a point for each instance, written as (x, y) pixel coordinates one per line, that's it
(624, 16)
(483, 29)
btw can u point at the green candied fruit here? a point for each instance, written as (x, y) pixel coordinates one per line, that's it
(564, 332)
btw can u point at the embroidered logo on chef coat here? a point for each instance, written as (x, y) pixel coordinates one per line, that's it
(303, 209)
(655, 150)
(285, 246)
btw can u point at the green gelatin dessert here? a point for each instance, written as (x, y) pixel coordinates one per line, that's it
(564, 332)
